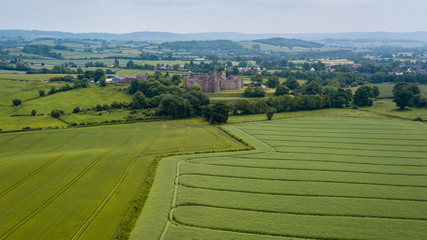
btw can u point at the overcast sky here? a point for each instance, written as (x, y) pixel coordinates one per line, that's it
(190, 16)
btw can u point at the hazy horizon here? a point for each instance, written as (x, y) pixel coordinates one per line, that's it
(206, 16)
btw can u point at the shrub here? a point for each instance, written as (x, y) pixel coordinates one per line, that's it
(33, 113)
(55, 113)
(418, 119)
(16, 102)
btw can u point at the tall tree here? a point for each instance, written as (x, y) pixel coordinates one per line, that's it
(362, 96)
(404, 94)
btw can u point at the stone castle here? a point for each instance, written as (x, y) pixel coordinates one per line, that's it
(213, 83)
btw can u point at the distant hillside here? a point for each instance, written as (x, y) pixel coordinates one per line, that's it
(169, 37)
(290, 43)
(222, 45)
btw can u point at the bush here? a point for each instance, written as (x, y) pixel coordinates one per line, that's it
(42, 93)
(16, 102)
(418, 119)
(76, 110)
(55, 113)
(33, 113)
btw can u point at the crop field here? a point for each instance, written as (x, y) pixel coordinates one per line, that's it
(79, 183)
(310, 178)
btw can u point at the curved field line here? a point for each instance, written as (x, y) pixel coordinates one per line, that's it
(303, 195)
(353, 155)
(284, 127)
(301, 180)
(300, 213)
(364, 133)
(104, 202)
(176, 183)
(327, 161)
(331, 170)
(354, 143)
(343, 137)
(356, 149)
(50, 162)
(294, 236)
(27, 218)
(184, 139)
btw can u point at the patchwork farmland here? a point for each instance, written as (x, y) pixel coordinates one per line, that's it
(79, 183)
(310, 178)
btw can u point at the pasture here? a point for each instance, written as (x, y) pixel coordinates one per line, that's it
(310, 178)
(80, 183)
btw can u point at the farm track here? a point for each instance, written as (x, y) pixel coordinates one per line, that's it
(184, 139)
(47, 164)
(79, 233)
(36, 211)
(216, 179)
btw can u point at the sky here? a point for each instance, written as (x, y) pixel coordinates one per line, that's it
(195, 16)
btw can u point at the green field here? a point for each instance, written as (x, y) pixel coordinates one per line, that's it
(386, 90)
(310, 178)
(79, 183)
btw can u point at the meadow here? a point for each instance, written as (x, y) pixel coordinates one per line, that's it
(309, 178)
(79, 183)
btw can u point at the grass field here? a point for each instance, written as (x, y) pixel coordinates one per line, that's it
(79, 183)
(310, 178)
(386, 90)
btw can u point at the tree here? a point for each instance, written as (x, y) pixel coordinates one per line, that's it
(55, 113)
(217, 112)
(175, 107)
(16, 102)
(281, 90)
(42, 93)
(98, 74)
(254, 91)
(257, 78)
(176, 79)
(270, 112)
(404, 94)
(116, 63)
(375, 92)
(138, 101)
(313, 88)
(273, 82)
(292, 83)
(33, 113)
(52, 90)
(362, 96)
(102, 82)
(76, 110)
(130, 64)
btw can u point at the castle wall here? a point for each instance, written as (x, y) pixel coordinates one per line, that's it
(213, 83)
